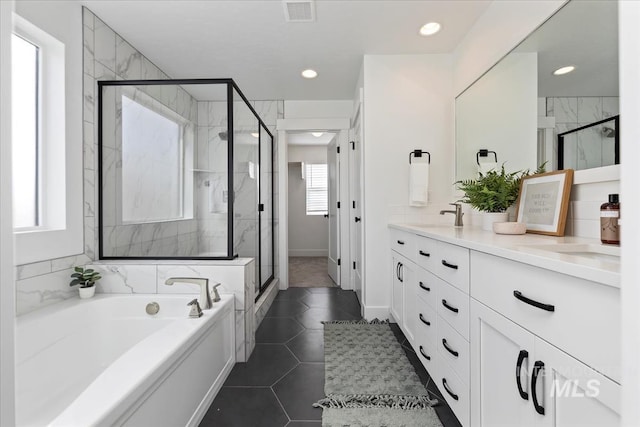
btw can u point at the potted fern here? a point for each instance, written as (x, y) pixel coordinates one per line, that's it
(493, 193)
(87, 279)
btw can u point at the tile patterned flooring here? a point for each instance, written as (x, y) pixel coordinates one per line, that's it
(309, 272)
(285, 374)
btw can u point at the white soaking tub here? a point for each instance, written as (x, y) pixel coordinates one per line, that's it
(106, 362)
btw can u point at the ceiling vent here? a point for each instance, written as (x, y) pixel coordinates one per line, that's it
(299, 10)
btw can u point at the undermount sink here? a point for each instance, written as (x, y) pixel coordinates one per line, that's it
(584, 250)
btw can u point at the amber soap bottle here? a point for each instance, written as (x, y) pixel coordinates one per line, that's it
(609, 215)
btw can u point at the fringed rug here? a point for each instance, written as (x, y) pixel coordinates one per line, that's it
(369, 380)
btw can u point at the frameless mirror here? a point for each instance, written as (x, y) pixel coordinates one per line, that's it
(523, 112)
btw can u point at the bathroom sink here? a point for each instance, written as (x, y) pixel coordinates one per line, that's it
(583, 250)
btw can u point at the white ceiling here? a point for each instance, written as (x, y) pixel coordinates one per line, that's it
(250, 41)
(305, 138)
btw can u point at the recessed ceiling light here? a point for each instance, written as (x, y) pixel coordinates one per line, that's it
(317, 134)
(430, 29)
(254, 134)
(564, 70)
(309, 74)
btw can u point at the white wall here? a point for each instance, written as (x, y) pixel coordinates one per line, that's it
(7, 284)
(308, 234)
(629, 37)
(317, 109)
(499, 29)
(408, 104)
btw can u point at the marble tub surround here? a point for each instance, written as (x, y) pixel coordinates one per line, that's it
(524, 248)
(236, 277)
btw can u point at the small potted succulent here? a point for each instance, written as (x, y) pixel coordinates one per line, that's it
(87, 279)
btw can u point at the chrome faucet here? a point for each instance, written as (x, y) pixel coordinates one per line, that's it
(205, 296)
(458, 213)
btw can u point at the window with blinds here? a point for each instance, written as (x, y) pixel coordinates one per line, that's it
(317, 189)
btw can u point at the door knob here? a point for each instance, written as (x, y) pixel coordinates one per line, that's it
(358, 219)
(326, 215)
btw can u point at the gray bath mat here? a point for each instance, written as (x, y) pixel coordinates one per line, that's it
(369, 381)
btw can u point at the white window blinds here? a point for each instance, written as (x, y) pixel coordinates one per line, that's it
(317, 186)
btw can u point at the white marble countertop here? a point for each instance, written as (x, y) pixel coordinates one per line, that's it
(521, 248)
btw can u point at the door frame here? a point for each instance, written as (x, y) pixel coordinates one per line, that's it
(300, 125)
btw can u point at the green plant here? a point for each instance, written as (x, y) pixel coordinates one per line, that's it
(494, 191)
(86, 278)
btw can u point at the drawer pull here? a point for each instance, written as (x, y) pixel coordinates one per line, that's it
(424, 354)
(424, 253)
(400, 242)
(449, 349)
(523, 355)
(446, 387)
(542, 306)
(426, 322)
(444, 302)
(537, 367)
(425, 287)
(446, 264)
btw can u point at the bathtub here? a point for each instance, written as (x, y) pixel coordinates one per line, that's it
(105, 362)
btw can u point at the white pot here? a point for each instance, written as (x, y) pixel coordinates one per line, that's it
(488, 218)
(87, 292)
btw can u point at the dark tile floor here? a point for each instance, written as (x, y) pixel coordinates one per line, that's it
(285, 374)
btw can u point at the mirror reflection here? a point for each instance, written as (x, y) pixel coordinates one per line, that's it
(562, 77)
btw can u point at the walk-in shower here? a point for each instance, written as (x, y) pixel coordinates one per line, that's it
(170, 151)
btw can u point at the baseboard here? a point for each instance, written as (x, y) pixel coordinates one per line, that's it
(308, 252)
(376, 312)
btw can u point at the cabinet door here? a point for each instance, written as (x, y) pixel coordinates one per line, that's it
(397, 289)
(573, 393)
(498, 348)
(411, 302)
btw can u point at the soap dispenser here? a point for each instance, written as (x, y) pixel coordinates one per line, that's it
(609, 216)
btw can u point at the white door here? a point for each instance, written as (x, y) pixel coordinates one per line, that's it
(333, 223)
(571, 394)
(355, 191)
(501, 358)
(397, 289)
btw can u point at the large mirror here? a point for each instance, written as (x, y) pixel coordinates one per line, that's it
(524, 111)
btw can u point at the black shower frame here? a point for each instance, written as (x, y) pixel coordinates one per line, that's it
(231, 86)
(616, 141)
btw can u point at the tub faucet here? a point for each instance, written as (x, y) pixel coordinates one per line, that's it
(458, 213)
(205, 296)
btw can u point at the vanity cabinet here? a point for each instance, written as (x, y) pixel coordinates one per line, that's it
(508, 341)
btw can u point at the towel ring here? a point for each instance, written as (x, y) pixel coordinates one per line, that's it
(419, 153)
(483, 152)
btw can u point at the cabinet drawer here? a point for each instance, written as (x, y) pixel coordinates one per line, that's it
(453, 349)
(426, 253)
(452, 265)
(428, 354)
(585, 319)
(453, 306)
(426, 314)
(402, 242)
(427, 284)
(454, 390)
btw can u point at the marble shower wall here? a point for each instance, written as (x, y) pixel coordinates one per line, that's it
(107, 56)
(588, 148)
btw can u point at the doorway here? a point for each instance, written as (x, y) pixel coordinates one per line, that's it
(313, 237)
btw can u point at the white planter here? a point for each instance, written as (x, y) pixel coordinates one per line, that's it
(488, 218)
(87, 292)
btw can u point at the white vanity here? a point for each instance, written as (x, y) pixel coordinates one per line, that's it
(515, 330)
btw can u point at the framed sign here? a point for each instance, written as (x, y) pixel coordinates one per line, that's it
(543, 202)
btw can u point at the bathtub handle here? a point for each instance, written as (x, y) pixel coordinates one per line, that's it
(196, 311)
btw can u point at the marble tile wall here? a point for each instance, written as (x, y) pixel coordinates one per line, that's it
(588, 148)
(106, 56)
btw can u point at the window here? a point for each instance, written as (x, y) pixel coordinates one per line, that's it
(25, 134)
(317, 189)
(152, 164)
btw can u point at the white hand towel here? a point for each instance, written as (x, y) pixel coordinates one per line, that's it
(418, 184)
(485, 167)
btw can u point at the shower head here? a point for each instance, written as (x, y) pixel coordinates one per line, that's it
(223, 135)
(608, 132)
